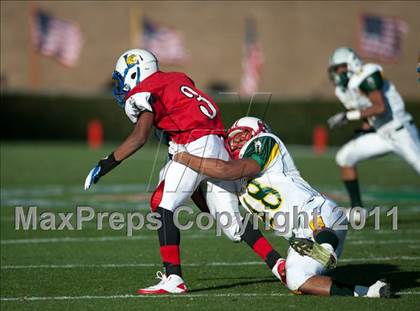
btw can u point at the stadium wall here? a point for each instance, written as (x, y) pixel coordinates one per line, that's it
(64, 118)
(296, 38)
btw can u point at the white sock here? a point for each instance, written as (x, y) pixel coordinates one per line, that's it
(328, 247)
(360, 291)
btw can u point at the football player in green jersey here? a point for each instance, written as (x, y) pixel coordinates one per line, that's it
(272, 185)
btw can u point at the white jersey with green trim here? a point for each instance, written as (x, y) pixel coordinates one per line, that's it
(353, 98)
(279, 186)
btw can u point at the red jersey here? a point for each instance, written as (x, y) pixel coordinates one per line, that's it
(180, 109)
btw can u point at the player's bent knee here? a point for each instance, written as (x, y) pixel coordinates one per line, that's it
(343, 157)
(232, 234)
(293, 285)
(296, 278)
(229, 225)
(234, 238)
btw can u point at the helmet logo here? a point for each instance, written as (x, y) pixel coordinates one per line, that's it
(131, 60)
(258, 147)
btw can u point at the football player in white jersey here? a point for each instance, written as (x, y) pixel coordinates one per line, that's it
(272, 186)
(368, 96)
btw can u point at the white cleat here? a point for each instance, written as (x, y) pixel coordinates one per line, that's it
(380, 289)
(173, 284)
(279, 270)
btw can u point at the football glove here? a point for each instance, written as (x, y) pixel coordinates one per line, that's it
(103, 167)
(175, 148)
(337, 120)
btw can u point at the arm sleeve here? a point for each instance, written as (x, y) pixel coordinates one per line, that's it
(372, 83)
(263, 150)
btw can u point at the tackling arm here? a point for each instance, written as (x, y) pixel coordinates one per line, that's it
(220, 169)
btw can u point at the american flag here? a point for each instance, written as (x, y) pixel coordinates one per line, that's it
(252, 60)
(55, 37)
(166, 43)
(381, 37)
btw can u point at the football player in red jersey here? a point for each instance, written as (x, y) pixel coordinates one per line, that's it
(171, 102)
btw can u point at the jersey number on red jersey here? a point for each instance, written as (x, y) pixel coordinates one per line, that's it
(206, 106)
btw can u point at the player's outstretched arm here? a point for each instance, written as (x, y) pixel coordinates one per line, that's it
(133, 142)
(220, 169)
(137, 138)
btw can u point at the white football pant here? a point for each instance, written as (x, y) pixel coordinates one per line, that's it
(177, 183)
(402, 139)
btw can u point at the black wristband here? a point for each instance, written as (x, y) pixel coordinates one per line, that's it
(107, 164)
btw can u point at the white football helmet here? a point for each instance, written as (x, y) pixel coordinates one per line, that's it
(344, 56)
(242, 131)
(132, 67)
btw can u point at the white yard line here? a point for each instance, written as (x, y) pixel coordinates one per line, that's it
(414, 246)
(191, 236)
(94, 239)
(211, 264)
(380, 258)
(141, 296)
(400, 241)
(129, 296)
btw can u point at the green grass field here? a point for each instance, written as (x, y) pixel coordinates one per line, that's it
(90, 269)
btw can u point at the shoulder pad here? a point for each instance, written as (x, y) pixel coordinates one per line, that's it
(245, 147)
(367, 70)
(141, 100)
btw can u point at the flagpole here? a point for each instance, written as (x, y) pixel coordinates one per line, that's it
(136, 27)
(33, 58)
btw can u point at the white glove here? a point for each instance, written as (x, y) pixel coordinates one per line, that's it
(337, 120)
(342, 118)
(175, 148)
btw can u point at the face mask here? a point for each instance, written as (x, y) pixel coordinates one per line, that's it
(120, 90)
(341, 79)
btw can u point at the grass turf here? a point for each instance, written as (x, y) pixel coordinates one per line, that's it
(100, 270)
